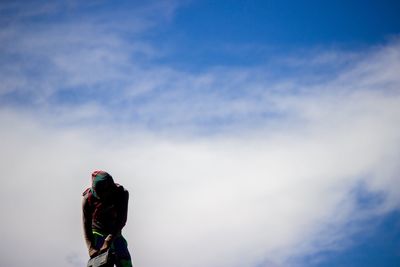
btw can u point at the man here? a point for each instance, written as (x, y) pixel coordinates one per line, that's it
(105, 209)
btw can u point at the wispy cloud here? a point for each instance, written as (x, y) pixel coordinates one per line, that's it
(230, 166)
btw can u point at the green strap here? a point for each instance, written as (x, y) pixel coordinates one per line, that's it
(97, 233)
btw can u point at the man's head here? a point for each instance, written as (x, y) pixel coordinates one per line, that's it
(102, 184)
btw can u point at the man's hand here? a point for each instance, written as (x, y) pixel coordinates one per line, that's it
(107, 243)
(93, 252)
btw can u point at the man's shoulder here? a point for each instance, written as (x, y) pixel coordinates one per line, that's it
(87, 192)
(122, 190)
(120, 187)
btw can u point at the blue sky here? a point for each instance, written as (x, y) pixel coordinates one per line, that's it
(208, 32)
(249, 133)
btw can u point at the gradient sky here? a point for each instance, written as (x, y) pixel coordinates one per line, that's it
(249, 133)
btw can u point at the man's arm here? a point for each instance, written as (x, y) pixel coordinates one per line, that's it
(122, 216)
(87, 223)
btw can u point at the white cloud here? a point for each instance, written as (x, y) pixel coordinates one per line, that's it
(228, 167)
(258, 194)
(82, 50)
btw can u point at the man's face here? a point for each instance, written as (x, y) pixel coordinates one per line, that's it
(104, 189)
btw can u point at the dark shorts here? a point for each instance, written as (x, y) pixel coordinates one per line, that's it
(119, 249)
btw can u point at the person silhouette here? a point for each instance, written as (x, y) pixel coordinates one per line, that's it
(104, 214)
